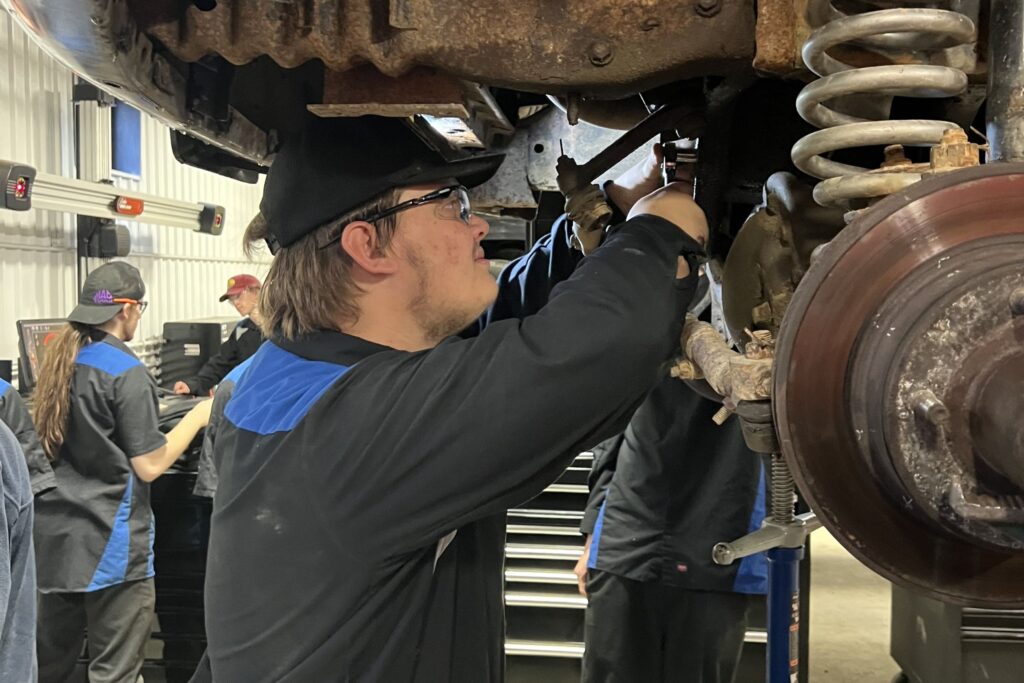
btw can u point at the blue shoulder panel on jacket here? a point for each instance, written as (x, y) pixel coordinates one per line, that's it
(106, 358)
(237, 371)
(4, 386)
(277, 390)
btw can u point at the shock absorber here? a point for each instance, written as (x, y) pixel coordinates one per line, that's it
(851, 104)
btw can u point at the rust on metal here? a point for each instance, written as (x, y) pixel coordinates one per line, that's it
(732, 375)
(954, 151)
(364, 90)
(779, 36)
(879, 299)
(761, 345)
(758, 279)
(895, 158)
(600, 47)
(686, 369)
(771, 252)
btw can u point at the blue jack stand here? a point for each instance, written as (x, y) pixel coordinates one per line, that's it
(784, 614)
(782, 536)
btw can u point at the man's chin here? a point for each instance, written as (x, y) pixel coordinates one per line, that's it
(491, 292)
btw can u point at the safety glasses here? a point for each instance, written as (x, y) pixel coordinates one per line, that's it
(452, 204)
(460, 207)
(141, 304)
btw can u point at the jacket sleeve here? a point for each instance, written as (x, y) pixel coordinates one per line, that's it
(217, 367)
(606, 456)
(14, 414)
(525, 284)
(475, 426)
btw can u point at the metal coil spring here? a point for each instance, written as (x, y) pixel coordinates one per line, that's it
(920, 32)
(783, 490)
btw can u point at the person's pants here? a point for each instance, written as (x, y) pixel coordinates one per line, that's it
(119, 621)
(637, 631)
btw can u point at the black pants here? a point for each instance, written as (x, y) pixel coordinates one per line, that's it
(119, 620)
(654, 633)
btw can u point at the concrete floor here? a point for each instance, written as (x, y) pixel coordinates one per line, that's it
(849, 618)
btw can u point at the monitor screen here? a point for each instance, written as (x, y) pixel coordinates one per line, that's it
(33, 338)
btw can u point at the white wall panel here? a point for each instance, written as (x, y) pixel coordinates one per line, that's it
(185, 272)
(37, 266)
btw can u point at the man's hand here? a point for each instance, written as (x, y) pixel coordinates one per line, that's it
(675, 204)
(181, 388)
(580, 570)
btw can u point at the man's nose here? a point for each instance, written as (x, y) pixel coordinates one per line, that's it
(479, 226)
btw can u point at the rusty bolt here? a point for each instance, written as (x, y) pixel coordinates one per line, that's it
(686, 369)
(1017, 301)
(954, 151)
(928, 407)
(650, 23)
(895, 156)
(600, 53)
(708, 8)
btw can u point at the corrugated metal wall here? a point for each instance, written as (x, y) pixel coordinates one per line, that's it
(185, 272)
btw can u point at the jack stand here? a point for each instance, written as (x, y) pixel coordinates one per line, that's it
(783, 535)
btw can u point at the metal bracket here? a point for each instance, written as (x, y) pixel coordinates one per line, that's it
(584, 203)
(772, 534)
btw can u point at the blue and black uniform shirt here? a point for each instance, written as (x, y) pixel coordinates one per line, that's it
(669, 488)
(95, 530)
(17, 564)
(14, 414)
(206, 478)
(358, 524)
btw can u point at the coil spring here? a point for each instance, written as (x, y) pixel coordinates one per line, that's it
(783, 490)
(925, 34)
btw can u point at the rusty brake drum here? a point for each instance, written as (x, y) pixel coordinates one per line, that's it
(899, 386)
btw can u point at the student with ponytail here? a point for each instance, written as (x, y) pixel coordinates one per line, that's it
(97, 419)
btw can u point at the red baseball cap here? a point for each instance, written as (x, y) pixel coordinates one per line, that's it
(238, 284)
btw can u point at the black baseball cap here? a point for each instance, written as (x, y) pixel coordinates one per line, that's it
(332, 165)
(106, 290)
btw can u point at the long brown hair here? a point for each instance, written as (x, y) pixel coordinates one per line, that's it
(53, 390)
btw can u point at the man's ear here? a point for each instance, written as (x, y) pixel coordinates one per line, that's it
(359, 241)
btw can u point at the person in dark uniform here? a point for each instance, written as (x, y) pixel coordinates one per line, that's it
(663, 493)
(367, 455)
(244, 292)
(206, 475)
(15, 415)
(24, 473)
(96, 416)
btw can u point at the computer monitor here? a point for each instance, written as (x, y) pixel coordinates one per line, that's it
(33, 338)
